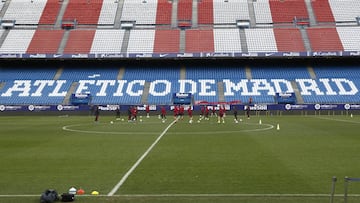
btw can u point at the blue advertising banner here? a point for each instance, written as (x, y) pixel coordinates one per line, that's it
(255, 107)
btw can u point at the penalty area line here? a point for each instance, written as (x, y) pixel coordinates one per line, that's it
(137, 163)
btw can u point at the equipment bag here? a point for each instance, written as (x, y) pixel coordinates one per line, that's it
(49, 196)
(66, 197)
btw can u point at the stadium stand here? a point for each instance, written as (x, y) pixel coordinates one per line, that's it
(135, 10)
(199, 40)
(262, 12)
(33, 86)
(184, 13)
(322, 11)
(206, 12)
(272, 30)
(227, 12)
(227, 40)
(138, 85)
(107, 41)
(345, 11)
(17, 41)
(349, 37)
(7, 73)
(45, 41)
(1, 4)
(324, 39)
(108, 12)
(163, 13)
(289, 39)
(79, 42)
(273, 72)
(141, 41)
(272, 27)
(164, 76)
(25, 12)
(92, 82)
(50, 12)
(167, 41)
(84, 11)
(283, 11)
(1, 32)
(261, 40)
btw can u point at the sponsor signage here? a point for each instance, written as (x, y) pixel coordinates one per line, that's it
(182, 55)
(255, 107)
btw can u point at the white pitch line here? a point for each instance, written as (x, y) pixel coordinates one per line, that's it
(196, 195)
(268, 127)
(127, 174)
(69, 128)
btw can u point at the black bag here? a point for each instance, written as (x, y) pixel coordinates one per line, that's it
(49, 196)
(66, 197)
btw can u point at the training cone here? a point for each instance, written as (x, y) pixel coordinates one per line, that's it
(260, 122)
(278, 127)
(80, 191)
(95, 192)
(72, 191)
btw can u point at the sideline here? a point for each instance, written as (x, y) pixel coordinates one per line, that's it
(127, 174)
(70, 129)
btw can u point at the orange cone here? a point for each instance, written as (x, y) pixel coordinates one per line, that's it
(80, 191)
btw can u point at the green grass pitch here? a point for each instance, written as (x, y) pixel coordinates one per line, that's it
(198, 162)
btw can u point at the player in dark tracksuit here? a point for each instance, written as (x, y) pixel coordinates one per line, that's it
(235, 114)
(97, 113)
(129, 113)
(248, 111)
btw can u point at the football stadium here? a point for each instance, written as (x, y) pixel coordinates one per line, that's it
(181, 101)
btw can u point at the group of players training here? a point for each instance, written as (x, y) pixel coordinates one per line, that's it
(179, 111)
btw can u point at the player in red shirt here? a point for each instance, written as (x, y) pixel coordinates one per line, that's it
(207, 113)
(134, 112)
(213, 111)
(190, 113)
(163, 114)
(221, 114)
(176, 112)
(202, 114)
(181, 112)
(147, 109)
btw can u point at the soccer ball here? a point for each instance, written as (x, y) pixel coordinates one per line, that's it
(190, 121)
(140, 120)
(111, 122)
(122, 119)
(198, 121)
